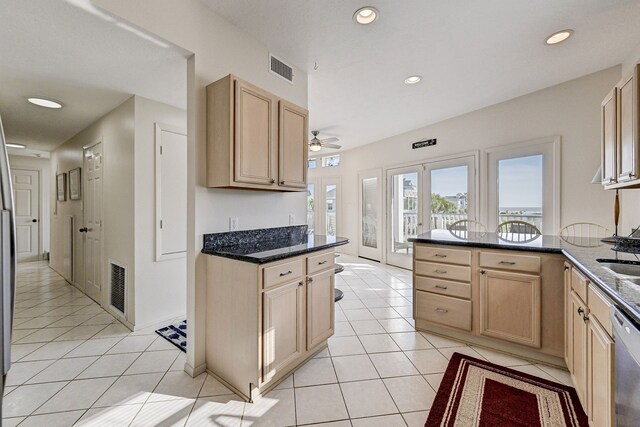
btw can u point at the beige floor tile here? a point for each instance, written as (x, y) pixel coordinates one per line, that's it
(345, 346)
(21, 372)
(61, 419)
(354, 368)
(396, 325)
(284, 384)
(43, 335)
(92, 347)
(161, 344)
(379, 343)
(72, 320)
(216, 411)
(415, 419)
(535, 371)
(172, 413)
(358, 314)
(393, 364)
(384, 313)
(129, 389)
(343, 423)
(323, 353)
(109, 365)
(133, 344)
(178, 364)
(315, 372)
(411, 341)
(395, 420)
(13, 422)
(319, 404)
(213, 387)
(113, 330)
(441, 342)
(115, 416)
(78, 394)
(351, 305)
(434, 380)
(63, 370)
(343, 329)
(153, 361)
(18, 351)
(499, 358)
(367, 399)
(27, 398)
(53, 350)
(40, 322)
(428, 361)
(561, 375)
(367, 327)
(276, 409)
(466, 350)
(410, 393)
(176, 385)
(81, 332)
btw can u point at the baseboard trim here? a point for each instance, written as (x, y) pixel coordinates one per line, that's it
(194, 372)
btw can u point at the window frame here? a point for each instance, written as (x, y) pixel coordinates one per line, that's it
(549, 148)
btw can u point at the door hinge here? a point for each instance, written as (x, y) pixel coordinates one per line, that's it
(161, 150)
(161, 224)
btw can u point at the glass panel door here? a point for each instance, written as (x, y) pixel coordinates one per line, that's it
(369, 243)
(327, 207)
(331, 209)
(311, 205)
(404, 214)
(450, 187)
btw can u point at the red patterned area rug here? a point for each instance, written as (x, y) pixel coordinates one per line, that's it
(474, 393)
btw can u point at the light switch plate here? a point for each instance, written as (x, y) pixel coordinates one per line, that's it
(233, 223)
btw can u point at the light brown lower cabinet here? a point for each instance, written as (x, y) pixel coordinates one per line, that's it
(510, 306)
(263, 321)
(590, 355)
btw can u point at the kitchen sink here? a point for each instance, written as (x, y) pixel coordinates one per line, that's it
(628, 268)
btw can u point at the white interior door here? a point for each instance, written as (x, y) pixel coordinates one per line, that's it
(26, 193)
(93, 167)
(370, 210)
(404, 213)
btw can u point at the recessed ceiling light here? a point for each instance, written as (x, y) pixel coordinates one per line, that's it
(365, 15)
(44, 102)
(558, 37)
(411, 80)
(11, 145)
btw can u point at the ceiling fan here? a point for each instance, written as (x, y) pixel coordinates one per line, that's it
(317, 144)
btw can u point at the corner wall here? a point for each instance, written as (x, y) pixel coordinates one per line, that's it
(571, 110)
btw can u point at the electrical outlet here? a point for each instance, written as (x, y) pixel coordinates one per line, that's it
(233, 223)
(292, 219)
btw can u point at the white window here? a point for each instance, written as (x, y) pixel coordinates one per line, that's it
(313, 163)
(524, 184)
(331, 161)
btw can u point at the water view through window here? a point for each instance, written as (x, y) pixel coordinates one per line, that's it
(520, 190)
(449, 196)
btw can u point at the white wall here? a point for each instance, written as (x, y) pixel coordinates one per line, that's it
(161, 287)
(218, 48)
(116, 131)
(571, 110)
(44, 166)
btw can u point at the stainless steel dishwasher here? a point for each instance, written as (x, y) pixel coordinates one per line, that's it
(627, 369)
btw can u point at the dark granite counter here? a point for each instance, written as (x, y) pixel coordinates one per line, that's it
(584, 253)
(267, 244)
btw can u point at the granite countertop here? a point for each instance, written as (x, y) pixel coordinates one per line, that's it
(268, 244)
(582, 252)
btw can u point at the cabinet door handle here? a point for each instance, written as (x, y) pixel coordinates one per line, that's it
(286, 274)
(441, 271)
(310, 279)
(566, 267)
(483, 271)
(322, 262)
(580, 310)
(281, 182)
(585, 319)
(300, 283)
(442, 310)
(273, 181)
(631, 176)
(611, 180)
(507, 262)
(440, 287)
(440, 255)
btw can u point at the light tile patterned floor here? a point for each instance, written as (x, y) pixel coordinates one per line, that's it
(74, 364)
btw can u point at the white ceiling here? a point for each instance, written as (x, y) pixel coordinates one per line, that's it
(471, 54)
(55, 49)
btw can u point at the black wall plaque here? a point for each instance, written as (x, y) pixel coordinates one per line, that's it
(424, 143)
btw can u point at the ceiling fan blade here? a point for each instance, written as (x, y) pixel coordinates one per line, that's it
(336, 146)
(329, 140)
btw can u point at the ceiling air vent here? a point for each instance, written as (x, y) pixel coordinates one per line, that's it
(118, 283)
(280, 69)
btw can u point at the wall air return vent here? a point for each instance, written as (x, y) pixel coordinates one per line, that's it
(118, 285)
(280, 69)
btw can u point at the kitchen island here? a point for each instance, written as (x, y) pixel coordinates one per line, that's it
(270, 304)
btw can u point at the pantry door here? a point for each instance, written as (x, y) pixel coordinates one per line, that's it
(370, 213)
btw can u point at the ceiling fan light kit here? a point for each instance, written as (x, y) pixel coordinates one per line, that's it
(317, 144)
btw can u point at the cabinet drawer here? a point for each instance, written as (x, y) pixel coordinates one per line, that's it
(282, 273)
(320, 262)
(444, 310)
(444, 287)
(507, 261)
(579, 285)
(449, 256)
(443, 271)
(600, 308)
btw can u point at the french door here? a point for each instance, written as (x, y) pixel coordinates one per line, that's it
(370, 213)
(324, 205)
(426, 197)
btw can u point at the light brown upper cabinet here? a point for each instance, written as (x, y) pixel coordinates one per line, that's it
(621, 135)
(255, 140)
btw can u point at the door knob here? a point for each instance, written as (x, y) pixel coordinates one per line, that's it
(34, 220)
(84, 229)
